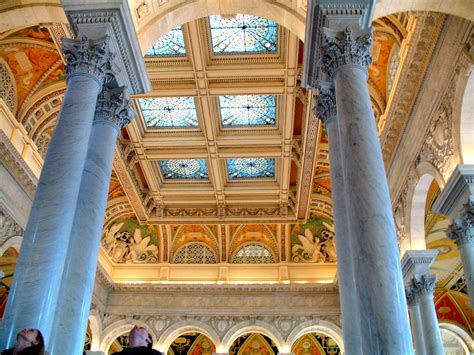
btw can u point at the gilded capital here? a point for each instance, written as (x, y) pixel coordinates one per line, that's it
(423, 285)
(324, 103)
(461, 231)
(345, 48)
(90, 57)
(113, 106)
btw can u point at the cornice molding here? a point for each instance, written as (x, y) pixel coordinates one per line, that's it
(102, 18)
(14, 163)
(422, 42)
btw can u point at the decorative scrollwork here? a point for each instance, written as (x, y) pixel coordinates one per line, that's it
(88, 57)
(114, 106)
(324, 106)
(462, 229)
(423, 285)
(345, 48)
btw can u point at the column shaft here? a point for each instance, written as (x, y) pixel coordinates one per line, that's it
(79, 271)
(35, 288)
(467, 257)
(423, 287)
(416, 327)
(462, 232)
(431, 333)
(347, 291)
(70, 323)
(383, 320)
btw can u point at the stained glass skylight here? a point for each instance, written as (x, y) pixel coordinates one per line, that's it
(183, 169)
(244, 168)
(242, 34)
(170, 44)
(247, 110)
(169, 112)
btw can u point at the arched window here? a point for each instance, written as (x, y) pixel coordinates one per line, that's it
(42, 144)
(194, 253)
(253, 254)
(8, 87)
(393, 63)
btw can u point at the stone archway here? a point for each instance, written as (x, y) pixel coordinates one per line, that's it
(180, 328)
(96, 330)
(322, 327)
(466, 128)
(32, 13)
(119, 328)
(461, 8)
(253, 327)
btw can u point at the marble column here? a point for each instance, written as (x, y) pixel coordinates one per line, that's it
(462, 232)
(325, 109)
(70, 324)
(415, 321)
(34, 294)
(423, 288)
(415, 266)
(457, 202)
(383, 320)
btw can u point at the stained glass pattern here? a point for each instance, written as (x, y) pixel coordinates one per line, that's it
(194, 253)
(248, 110)
(243, 168)
(253, 254)
(183, 169)
(169, 112)
(170, 44)
(243, 34)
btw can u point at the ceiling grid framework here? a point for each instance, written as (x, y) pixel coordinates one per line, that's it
(205, 76)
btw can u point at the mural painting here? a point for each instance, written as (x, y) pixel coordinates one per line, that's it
(192, 344)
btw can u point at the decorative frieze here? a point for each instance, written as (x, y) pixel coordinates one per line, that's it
(8, 226)
(439, 144)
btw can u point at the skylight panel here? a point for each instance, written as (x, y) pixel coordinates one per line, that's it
(168, 112)
(243, 34)
(248, 110)
(183, 169)
(245, 168)
(170, 44)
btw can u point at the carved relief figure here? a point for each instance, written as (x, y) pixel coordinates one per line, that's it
(124, 243)
(313, 242)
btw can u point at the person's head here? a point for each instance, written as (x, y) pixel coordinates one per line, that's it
(31, 339)
(139, 336)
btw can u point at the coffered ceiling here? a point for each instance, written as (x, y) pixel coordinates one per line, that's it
(218, 136)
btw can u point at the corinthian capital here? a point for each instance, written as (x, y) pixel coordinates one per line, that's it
(345, 48)
(114, 107)
(411, 296)
(89, 57)
(324, 103)
(462, 229)
(423, 285)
